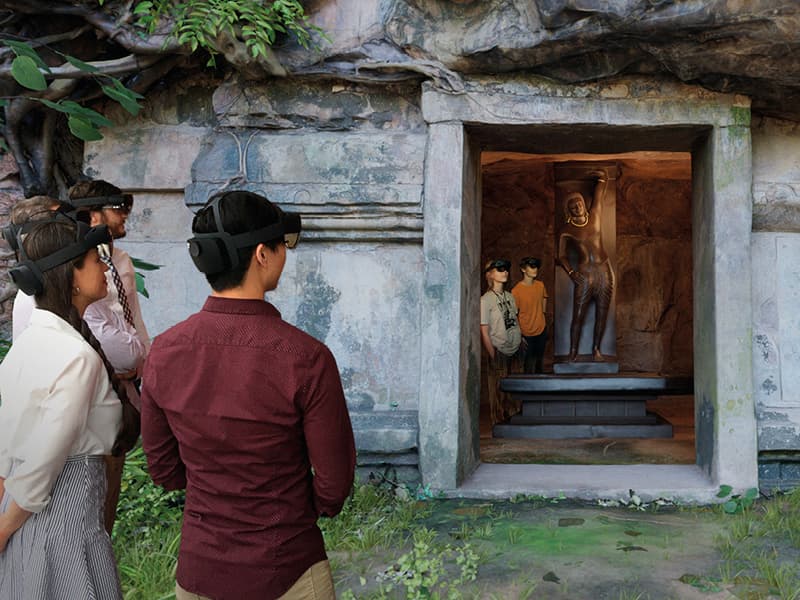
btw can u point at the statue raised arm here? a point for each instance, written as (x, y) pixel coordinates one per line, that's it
(584, 260)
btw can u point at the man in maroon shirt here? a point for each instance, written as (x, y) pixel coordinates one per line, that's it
(238, 407)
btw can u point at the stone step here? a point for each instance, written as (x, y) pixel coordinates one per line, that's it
(584, 407)
(567, 431)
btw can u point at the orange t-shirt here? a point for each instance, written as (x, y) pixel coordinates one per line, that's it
(530, 301)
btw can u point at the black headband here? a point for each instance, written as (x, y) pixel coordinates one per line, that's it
(28, 274)
(217, 251)
(121, 199)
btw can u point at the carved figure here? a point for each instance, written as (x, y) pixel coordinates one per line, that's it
(592, 274)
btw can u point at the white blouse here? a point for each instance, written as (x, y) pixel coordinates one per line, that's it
(56, 402)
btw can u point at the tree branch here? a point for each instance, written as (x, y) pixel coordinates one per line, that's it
(117, 66)
(33, 182)
(159, 43)
(49, 39)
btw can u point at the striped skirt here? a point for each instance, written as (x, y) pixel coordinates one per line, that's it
(63, 552)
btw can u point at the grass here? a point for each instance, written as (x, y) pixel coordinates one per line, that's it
(5, 345)
(761, 548)
(372, 517)
(147, 533)
(385, 544)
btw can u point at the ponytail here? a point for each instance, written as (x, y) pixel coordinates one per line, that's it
(131, 422)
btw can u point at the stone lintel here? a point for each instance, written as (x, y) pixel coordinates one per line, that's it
(537, 101)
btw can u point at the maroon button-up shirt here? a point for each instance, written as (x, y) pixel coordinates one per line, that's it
(237, 407)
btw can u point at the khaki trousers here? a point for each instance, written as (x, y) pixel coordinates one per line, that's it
(315, 584)
(501, 404)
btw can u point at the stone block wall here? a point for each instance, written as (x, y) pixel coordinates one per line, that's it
(350, 160)
(776, 299)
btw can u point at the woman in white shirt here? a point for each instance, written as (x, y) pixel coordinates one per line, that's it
(59, 416)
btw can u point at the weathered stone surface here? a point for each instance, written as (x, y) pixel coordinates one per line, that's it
(744, 47)
(326, 106)
(145, 157)
(776, 175)
(776, 325)
(385, 432)
(353, 185)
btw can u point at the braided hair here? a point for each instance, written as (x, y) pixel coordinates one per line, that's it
(44, 239)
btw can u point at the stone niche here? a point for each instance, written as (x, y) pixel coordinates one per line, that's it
(654, 249)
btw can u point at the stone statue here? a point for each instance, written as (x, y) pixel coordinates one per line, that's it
(592, 275)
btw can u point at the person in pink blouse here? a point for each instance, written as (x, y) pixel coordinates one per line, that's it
(247, 413)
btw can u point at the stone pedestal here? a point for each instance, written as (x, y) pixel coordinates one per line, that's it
(588, 407)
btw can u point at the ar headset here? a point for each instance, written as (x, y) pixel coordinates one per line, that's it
(217, 251)
(11, 232)
(28, 274)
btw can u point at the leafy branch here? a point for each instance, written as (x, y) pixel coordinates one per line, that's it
(42, 76)
(212, 24)
(30, 71)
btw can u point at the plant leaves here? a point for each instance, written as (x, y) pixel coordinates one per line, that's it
(23, 49)
(70, 107)
(141, 264)
(724, 490)
(731, 507)
(83, 130)
(27, 74)
(140, 285)
(142, 7)
(126, 101)
(79, 64)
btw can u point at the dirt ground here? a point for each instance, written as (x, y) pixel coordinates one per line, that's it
(538, 548)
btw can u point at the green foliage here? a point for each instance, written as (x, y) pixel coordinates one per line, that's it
(199, 22)
(5, 346)
(148, 571)
(737, 503)
(761, 547)
(144, 266)
(27, 74)
(373, 516)
(423, 570)
(29, 70)
(145, 509)
(147, 532)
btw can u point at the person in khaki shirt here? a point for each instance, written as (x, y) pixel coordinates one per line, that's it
(500, 335)
(531, 297)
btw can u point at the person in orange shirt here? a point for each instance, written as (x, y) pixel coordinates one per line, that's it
(531, 298)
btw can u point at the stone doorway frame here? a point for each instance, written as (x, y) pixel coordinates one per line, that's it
(537, 116)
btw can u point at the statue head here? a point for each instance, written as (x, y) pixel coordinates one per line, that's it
(575, 206)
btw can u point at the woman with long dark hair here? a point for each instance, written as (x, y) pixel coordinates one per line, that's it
(59, 415)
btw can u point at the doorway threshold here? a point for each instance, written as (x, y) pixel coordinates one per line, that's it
(678, 483)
